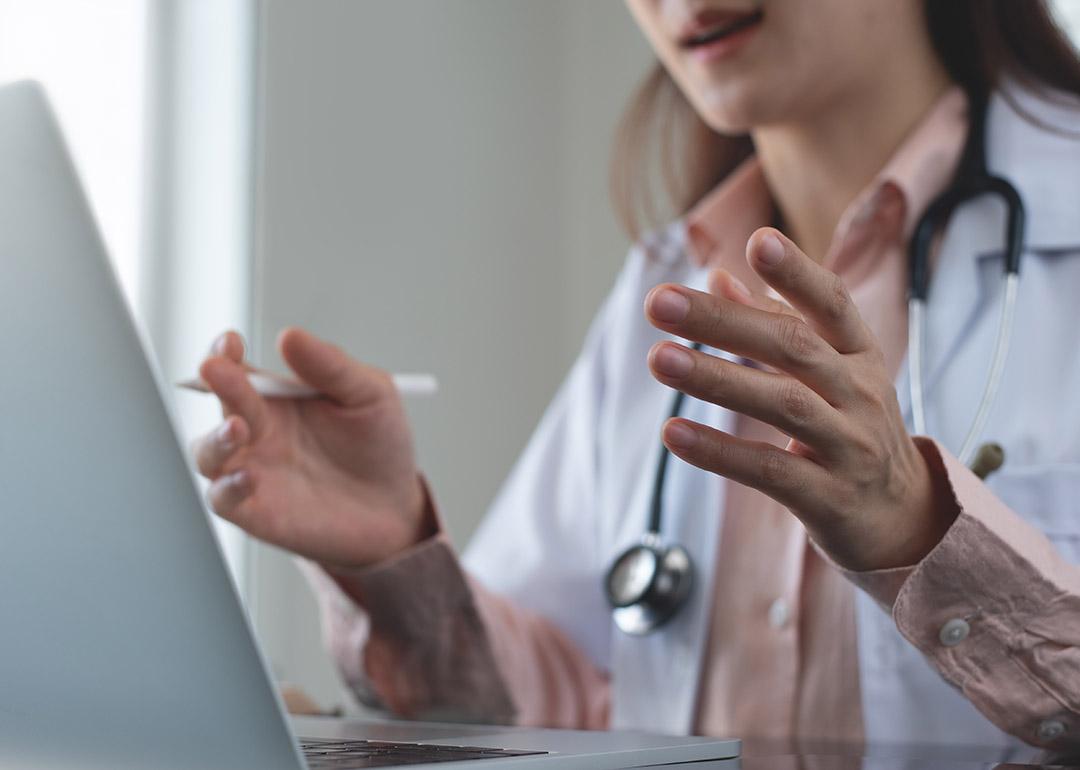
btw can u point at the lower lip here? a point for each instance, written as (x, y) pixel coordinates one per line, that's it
(726, 46)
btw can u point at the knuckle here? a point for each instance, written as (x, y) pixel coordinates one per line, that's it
(718, 456)
(866, 452)
(845, 499)
(871, 394)
(868, 460)
(838, 302)
(773, 468)
(714, 376)
(795, 402)
(797, 341)
(714, 319)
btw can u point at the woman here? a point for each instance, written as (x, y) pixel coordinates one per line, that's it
(852, 580)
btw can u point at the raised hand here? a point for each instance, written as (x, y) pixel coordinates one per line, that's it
(862, 486)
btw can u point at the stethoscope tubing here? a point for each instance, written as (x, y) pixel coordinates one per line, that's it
(917, 350)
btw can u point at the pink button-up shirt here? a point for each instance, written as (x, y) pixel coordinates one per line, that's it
(419, 635)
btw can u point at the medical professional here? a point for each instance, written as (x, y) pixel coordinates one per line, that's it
(851, 578)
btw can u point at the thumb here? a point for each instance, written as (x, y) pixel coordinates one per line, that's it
(328, 369)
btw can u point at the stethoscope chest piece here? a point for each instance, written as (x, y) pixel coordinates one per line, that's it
(647, 584)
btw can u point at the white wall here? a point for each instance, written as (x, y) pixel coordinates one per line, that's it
(91, 59)
(1068, 12)
(433, 196)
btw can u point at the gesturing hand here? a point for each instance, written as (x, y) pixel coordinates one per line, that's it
(332, 478)
(851, 472)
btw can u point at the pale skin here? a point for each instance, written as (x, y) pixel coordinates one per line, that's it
(827, 89)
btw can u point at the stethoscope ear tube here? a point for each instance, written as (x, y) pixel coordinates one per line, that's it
(917, 351)
(997, 368)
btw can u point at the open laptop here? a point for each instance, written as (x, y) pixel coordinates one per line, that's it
(122, 641)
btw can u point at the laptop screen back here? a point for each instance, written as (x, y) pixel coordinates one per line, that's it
(122, 642)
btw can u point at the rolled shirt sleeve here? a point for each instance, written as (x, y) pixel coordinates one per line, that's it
(996, 608)
(410, 638)
(417, 635)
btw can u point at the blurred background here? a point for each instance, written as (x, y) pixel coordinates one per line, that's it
(422, 181)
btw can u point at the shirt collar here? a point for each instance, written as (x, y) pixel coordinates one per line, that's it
(720, 224)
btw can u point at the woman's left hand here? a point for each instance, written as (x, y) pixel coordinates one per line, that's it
(851, 472)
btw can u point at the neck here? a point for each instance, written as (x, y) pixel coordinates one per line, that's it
(816, 167)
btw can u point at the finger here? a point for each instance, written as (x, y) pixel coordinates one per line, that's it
(228, 493)
(816, 292)
(776, 399)
(790, 479)
(229, 381)
(229, 345)
(724, 284)
(214, 450)
(327, 368)
(778, 340)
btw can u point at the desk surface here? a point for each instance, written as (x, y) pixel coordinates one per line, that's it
(775, 755)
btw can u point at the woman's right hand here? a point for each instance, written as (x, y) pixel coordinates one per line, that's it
(334, 478)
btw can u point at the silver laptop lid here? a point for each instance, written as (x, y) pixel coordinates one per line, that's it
(122, 641)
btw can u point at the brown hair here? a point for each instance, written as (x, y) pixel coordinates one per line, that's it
(978, 41)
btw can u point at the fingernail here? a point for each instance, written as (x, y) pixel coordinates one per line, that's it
(771, 251)
(219, 346)
(669, 306)
(673, 361)
(679, 434)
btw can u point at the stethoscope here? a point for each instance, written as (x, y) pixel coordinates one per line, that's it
(650, 581)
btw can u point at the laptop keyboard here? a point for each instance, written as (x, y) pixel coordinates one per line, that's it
(345, 755)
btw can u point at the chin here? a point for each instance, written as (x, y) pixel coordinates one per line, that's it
(733, 110)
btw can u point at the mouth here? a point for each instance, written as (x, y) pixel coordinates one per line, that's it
(710, 28)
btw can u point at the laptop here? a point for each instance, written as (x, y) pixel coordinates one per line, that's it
(123, 643)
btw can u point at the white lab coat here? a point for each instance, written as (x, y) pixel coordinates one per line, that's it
(579, 495)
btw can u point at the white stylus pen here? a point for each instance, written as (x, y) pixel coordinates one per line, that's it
(273, 385)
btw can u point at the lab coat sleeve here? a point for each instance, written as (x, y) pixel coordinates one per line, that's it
(996, 606)
(519, 633)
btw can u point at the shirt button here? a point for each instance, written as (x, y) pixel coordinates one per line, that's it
(779, 614)
(1050, 730)
(954, 632)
